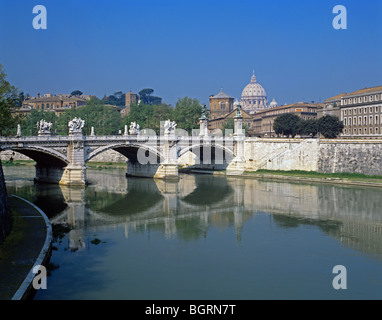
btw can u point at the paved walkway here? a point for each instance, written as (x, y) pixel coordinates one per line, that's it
(24, 248)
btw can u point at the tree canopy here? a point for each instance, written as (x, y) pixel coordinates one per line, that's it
(29, 125)
(9, 100)
(330, 126)
(287, 124)
(187, 113)
(76, 93)
(290, 124)
(116, 99)
(105, 119)
(145, 95)
(307, 127)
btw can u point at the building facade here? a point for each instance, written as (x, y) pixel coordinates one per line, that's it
(260, 124)
(263, 121)
(130, 98)
(361, 113)
(218, 123)
(49, 102)
(220, 105)
(331, 106)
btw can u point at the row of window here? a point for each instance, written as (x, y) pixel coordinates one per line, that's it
(255, 102)
(275, 112)
(364, 131)
(223, 106)
(52, 106)
(362, 121)
(372, 97)
(372, 109)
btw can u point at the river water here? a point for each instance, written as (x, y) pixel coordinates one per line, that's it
(208, 237)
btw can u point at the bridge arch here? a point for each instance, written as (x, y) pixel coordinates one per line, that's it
(130, 151)
(43, 156)
(227, 153)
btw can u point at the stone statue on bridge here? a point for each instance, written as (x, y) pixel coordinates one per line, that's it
(204, 113)
(238, 108)
(43, 127)
(169, 127)
(134, 128)
(76, 125)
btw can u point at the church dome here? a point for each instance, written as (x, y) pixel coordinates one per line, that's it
(254, 97)
(273, 104)
(253, 89)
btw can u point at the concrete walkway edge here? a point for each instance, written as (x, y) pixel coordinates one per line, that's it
(26, 286)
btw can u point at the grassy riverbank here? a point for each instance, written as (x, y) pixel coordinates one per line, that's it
(18, 163)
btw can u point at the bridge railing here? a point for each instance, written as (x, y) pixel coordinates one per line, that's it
(32, 139)
(138, 138)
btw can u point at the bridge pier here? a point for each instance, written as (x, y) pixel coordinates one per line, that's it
(165, 171)
(73, 175)
(69, 175)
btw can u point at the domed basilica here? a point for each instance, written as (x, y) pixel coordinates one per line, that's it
(254, 97)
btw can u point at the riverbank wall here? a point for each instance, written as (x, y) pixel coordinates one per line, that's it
(320, 155)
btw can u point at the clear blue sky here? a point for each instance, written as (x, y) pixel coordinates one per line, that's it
(192, 48)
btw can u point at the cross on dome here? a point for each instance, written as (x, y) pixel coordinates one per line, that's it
(253, 78)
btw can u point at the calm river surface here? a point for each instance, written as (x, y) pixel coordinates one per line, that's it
(208, 237)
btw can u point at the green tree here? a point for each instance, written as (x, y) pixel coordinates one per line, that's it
(187, 113)
(106, 120)
(149, 116)
(9, 101)
(116, 99)
(330, 126)
(287, 124)
(142, 114)
(308, 127)
(29, 125)
(146, 97)
(161, 112)
(76, 93)
(7, 122)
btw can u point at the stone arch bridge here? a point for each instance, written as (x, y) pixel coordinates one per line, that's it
(62, 159)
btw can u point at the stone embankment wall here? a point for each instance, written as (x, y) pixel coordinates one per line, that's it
(281, 154)
(321, 155)
(361, 156)
(4, 211)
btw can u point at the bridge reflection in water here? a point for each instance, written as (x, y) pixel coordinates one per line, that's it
(189, 207)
